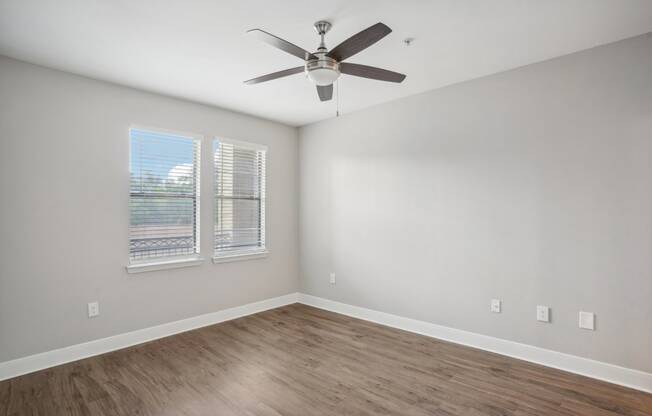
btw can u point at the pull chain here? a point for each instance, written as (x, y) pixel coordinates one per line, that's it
(337, 100)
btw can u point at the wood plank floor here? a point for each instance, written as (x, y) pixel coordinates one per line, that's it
(303, 361)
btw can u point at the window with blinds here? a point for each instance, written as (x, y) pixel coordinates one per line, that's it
(164, 196)
(239, 198)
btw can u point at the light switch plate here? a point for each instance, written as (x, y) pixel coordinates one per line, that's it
(587, 320)
(332, 279)
(495, 305)
(543, 313)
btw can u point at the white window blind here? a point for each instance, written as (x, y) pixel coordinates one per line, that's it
(164, 195)
(239, 198)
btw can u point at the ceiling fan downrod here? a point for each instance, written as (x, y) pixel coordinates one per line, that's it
(322, 27)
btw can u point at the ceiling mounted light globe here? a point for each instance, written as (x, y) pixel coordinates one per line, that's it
(323, 76)
(323, 70)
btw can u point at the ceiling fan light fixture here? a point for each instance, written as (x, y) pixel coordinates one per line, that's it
(323, 70)
(323, 76)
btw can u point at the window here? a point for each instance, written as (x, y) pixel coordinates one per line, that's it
(164, 197)
(239, 199)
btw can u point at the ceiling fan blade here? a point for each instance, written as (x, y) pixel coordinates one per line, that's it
(282, 44)
(325, 92)
(371, 72)
(274, 75)
(359, 42)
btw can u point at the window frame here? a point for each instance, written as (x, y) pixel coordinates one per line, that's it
(167, 262)
(249, 254)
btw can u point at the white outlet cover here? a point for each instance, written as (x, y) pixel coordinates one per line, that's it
(495, 305)
(587, 320)
(543, 313)
(93, 309)
(332, 279)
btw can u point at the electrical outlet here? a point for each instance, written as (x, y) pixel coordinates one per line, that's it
(332, 279)
(587, 320)
(93, 309)
(495, 305)
(543, 313)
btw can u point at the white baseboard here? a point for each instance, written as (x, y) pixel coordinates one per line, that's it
(595, 369)
(29, 364)
(608, 372)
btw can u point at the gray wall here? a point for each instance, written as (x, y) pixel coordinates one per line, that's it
(533, 186)
(64, 186)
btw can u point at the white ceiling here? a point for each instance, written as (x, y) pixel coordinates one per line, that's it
(198, 49)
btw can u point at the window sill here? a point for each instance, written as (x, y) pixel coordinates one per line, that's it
(164, 264)
(240, 257)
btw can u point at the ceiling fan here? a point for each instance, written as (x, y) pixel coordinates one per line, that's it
(323, 67)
